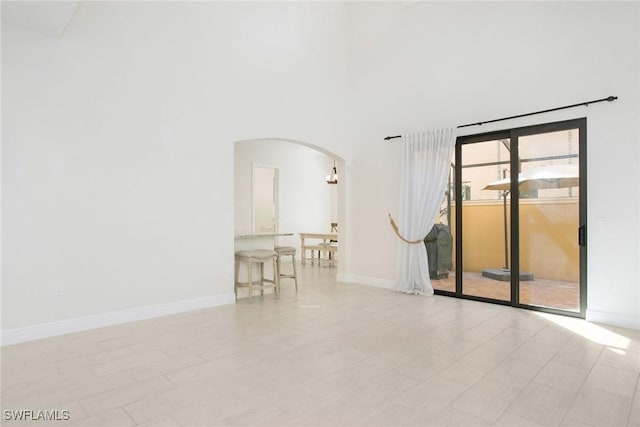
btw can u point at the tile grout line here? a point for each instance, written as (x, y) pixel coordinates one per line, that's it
(636, 394)
(579, 390)
(532, 381)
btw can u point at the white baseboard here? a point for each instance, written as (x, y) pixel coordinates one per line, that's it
(365, 280)
(614, 319)
(67, 326)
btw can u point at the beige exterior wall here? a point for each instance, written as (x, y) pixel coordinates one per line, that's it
(548, 238)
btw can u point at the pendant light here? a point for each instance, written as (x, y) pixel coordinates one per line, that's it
(333, 177)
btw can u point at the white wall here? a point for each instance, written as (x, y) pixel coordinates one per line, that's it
(443, 64)
(118, 143)
(304, 195)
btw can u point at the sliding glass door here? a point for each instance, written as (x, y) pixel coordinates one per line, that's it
(550, 228)
(485, 220)
(520, 215)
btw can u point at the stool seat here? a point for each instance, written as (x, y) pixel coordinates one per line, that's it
(258, 254)
(285, 250)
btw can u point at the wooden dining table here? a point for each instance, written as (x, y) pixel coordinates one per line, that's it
(324, 247)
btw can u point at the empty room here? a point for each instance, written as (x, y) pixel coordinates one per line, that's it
(401, 213)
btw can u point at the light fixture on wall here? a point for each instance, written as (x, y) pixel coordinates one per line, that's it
(333, 177)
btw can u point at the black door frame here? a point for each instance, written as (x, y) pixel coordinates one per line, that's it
(513, 136)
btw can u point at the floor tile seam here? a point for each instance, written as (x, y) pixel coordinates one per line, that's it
(85, 414)
(457, 358)
(220, 423)
(301, 346)
(633, 371)
(61, 372)
(292, 422)
(574, 398)
(583, 388)
(486, 377)
(128, 368)
(331, 350)
(465, 385)
(135, 423)
(519, 347)
(637, 373)
(70, 360)
(552, 359)
(145, 396)
(162, 414)
(82, 421)
(93, 393)
(571, 363)
(630, 399)
(202, 360)
(495, 382)
(520, 389)
(172, 418)
(492, 422)
(91, 415)
(395, 370)
(617, 368)
(176, 385)
(172, 351)
(6, 389)
(526, 418)
(636, 394)
(523, 416)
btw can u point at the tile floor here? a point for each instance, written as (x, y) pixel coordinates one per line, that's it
(334, 354)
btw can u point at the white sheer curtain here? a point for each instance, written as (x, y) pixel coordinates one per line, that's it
(426, 160)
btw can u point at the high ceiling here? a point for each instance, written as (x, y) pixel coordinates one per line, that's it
(44, 17)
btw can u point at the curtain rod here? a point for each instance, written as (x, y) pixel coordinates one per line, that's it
(608, 99)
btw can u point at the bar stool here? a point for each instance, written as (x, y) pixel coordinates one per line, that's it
(259, 257)
(329, 252)
(287, 251)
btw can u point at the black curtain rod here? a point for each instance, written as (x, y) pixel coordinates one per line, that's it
(608, 99)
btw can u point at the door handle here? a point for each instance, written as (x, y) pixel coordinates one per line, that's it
(582, 235)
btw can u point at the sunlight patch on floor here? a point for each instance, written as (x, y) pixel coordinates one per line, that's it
(590, 331)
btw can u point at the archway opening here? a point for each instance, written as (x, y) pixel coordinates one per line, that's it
(304, 201)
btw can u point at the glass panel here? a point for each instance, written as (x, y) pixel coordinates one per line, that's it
(441, 241)
(485, 220)
(549, 220)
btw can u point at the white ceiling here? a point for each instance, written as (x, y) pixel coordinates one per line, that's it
(44, 17)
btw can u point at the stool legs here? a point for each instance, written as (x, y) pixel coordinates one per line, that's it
(276, 276)
(235, 282)
(295, 270)
(261, 283)
(280, 274)
(250, 279)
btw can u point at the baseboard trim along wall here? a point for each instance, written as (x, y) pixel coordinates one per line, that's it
(67, 326)
(365, 280)
(614, 319)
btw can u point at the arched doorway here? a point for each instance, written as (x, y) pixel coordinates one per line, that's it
(304, 201)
